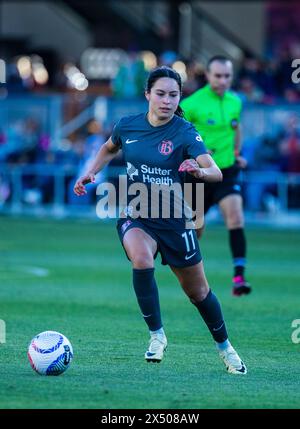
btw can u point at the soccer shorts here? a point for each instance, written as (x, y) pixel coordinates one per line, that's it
(215, 192)
(178, 248)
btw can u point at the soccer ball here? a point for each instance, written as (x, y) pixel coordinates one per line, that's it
(50, 353)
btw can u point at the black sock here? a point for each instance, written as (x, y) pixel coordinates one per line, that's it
(237, 241)
(147, 295)
(211, 312)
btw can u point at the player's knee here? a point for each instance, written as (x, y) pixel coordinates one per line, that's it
(142, 260)
(197, 293)
(235, 220)
(198, 297)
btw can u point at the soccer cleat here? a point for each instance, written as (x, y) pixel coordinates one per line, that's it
(157, 345)
(240, 286)
(232, 361)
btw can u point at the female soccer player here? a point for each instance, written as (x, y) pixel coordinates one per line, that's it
(158, 146)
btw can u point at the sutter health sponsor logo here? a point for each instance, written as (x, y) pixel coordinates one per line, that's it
(157, 175)
(163, 174)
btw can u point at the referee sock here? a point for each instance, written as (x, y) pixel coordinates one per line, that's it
(211, 313)
(237, 242)
(147, 296)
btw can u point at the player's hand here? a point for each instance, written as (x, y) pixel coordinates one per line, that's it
(241, 162)
(79, 188)
(192, 167)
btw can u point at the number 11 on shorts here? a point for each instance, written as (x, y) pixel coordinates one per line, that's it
(189, 241)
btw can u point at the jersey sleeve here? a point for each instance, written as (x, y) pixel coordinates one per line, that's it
(237, 105)
(240, 110)
(116, 134)
(186, 106)
(193, 143)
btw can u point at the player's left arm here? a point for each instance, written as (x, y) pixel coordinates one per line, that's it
(241, 161)
(203, 168)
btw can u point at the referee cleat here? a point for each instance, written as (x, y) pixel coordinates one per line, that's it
(232, 361)
(157, 345)
(240, 286)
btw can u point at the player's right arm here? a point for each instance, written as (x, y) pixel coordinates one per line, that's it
(241, 161)
(106, 153)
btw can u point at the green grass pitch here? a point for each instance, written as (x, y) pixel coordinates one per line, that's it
(73, 277)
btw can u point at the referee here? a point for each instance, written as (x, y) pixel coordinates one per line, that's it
(215, 112)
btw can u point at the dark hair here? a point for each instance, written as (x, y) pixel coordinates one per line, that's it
(220, 58)
(165, 71)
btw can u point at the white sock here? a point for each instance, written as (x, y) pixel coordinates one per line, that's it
(159, 331)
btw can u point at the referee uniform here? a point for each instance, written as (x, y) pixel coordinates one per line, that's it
(217, 118)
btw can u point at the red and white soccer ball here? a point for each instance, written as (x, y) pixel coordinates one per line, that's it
(50, 353)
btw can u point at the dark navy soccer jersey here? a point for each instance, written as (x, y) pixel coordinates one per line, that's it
(153, 156)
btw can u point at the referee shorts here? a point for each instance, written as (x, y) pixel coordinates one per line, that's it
(215, 192)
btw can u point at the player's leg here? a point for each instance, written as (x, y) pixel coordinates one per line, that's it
(232, 210)
(141, 248)
(195, 285)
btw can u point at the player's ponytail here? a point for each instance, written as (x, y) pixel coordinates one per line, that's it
(165, 71)
(179, 112)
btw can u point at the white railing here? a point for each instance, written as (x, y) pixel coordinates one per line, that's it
(39, 189)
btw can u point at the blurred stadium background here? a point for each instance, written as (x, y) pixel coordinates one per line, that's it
(73, 68)
(68, 71)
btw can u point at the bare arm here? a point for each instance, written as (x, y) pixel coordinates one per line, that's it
(238, 140)
(242, 162)
(204, 168)
(106, 153)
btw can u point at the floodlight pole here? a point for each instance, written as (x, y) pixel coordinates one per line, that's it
(185, 30)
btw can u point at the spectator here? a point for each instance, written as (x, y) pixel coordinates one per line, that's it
(93, 142)
(249, 91)
(289, 146)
